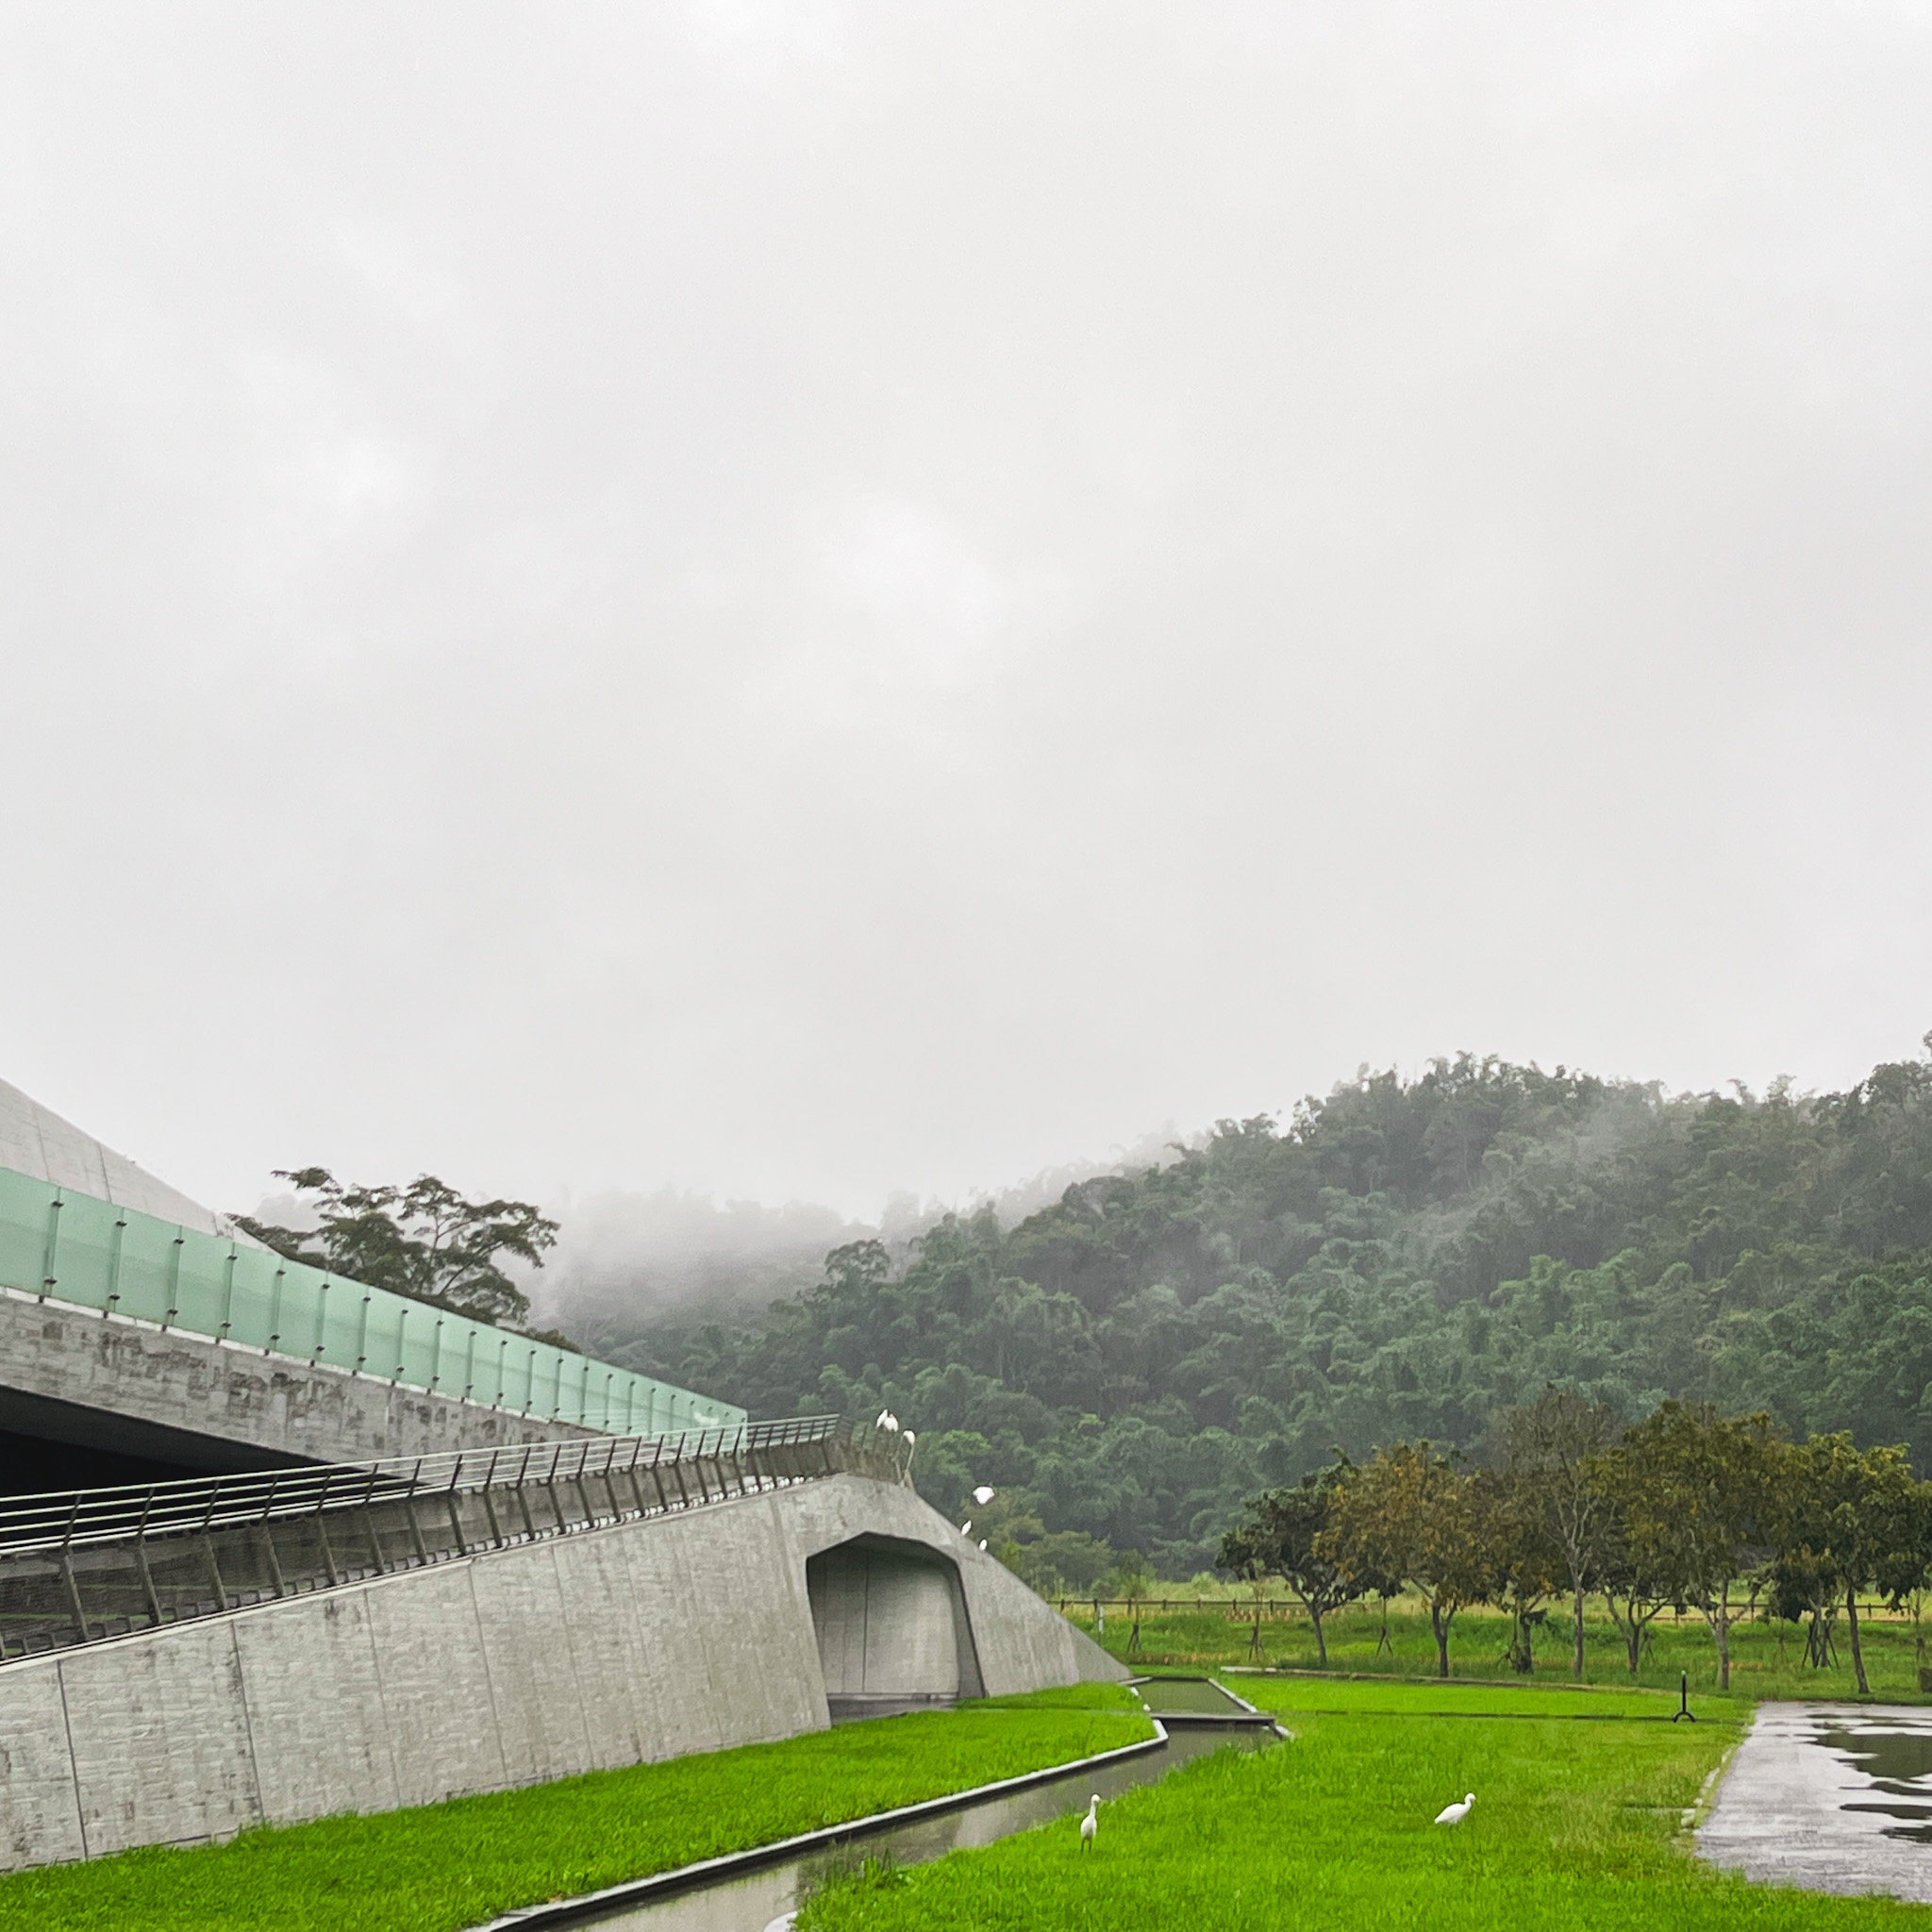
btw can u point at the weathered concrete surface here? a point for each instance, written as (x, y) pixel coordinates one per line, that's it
(36, 1141)
(641, 1641)
(1780, 1818)
(70, 1375)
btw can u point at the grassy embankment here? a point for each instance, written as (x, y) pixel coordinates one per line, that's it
(1767, 1658)
(435, 1867)
(1577, 1824)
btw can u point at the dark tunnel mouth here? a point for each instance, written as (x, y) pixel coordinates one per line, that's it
(47, 1445)
(863, 1630)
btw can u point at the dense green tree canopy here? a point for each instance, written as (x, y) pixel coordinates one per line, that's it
(1402, 1260)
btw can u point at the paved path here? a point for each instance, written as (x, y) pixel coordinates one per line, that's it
(1781, 1815)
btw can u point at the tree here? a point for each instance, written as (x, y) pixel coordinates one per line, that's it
(1410, 1513)
(1849, 1522)
(1283, 1536)
(1635, 1591)
(1554, 1447)
(423, 1241)
(1698, 1492)
(1524, 1561)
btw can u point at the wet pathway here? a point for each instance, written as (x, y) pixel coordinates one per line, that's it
(1835, 1797)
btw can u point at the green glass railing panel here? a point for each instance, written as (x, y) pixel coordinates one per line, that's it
(23, 1230)
(87, 1244)
(147, 1251)
(121, 1263)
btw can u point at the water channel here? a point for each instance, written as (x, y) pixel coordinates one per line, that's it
(766, 1897)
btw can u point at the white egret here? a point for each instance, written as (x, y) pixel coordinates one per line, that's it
(982, 1542)
(983, 1494)
(888, 1421)
(1090, 1826)
(966, 1527)
(1455, 1814)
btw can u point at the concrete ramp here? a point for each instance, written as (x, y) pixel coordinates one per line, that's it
(687, 1630)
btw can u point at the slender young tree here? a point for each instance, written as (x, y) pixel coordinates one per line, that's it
(1848, 1515)
(1698, 1491)
(1554, 1447)
(1282, 1535)
(1524, 1559)
(1410, 1513)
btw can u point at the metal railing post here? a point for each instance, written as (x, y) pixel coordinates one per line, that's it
(415, 1520)
(67, 1575)
(268, 1538)
(489, 1500)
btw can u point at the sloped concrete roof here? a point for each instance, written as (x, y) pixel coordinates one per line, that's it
(34, 1141)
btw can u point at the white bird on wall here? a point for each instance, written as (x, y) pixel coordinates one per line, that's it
(982, 1542)
(1090, 1826)
(966, 1527)
(1455, 1814)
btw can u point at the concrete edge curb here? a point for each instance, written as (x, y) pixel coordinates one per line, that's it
(1697, 1812)
(565, 1911)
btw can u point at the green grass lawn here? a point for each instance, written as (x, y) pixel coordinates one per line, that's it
(1766, 1658)
(439, 1867)
(1575, 1826)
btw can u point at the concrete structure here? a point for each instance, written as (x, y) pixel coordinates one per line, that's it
(142, 1336)
(36, 1141)
(1818, 1794)
(744, 1621)
(191, 1404)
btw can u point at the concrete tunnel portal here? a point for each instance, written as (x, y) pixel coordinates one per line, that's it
(892, 1627)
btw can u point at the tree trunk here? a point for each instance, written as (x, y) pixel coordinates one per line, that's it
(1721, 1627)
(1321, 1642)
(1857, 1654)
(1441, 1629)
(1576, 1663)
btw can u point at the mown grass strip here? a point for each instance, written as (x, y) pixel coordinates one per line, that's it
(443, 1867)
(1574, 1825)
(1768, 1656)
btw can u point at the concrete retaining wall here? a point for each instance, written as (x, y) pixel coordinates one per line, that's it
(641, 1642)
(72, 1375)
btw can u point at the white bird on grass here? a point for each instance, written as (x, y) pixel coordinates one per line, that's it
(1090, 1826)
(983, 1494)
(1455, 1814)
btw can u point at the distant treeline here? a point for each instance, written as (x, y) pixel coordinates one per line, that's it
(1686, 1508)
(1401, 1260)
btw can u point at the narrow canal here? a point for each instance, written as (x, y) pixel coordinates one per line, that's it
(766, 1897)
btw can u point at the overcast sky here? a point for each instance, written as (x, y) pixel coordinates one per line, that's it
(803, 600)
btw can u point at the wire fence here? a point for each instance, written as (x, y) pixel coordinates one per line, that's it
(93, 1564)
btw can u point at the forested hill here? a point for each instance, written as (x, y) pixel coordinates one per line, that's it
(1400, 1260)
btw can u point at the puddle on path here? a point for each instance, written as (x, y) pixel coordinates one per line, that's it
(1835, 1797)
(1898, 1762)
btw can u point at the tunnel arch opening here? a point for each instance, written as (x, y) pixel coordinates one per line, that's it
(892, 1628)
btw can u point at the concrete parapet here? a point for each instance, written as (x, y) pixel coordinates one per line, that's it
(71, 1375)
(639, 1642)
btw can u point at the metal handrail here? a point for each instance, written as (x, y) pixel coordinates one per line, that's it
(68, 1518)
(87, 1565)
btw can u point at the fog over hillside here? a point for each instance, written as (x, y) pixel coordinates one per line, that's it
(627, 1261)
